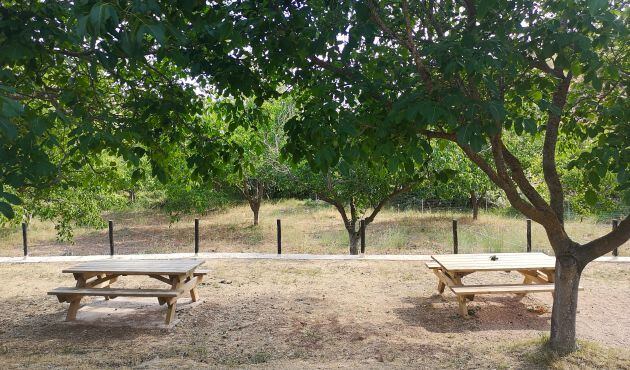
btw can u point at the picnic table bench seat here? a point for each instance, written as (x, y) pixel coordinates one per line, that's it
(116, 292)
(466, 290)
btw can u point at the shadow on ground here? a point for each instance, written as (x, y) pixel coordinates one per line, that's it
(438, 314)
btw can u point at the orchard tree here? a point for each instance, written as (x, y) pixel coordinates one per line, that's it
(358, 192)
(467, 181)
(251, 138)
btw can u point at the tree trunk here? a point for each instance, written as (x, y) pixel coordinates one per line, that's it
(254, 204)
(354, 238)
(563, 315)
(474, 201)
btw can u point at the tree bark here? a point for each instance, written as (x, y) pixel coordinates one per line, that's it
(563, 314)
(253, 190)
(474, 202)
(254, 204)
(354, 237)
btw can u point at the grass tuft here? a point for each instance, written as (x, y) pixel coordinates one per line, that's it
(589, 355)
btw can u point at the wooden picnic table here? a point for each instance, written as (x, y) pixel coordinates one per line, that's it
(538, 270)
(95, 279)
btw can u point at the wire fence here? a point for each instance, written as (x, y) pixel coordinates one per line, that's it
(314, 230)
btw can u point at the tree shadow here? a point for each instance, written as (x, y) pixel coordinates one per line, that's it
(439, 314)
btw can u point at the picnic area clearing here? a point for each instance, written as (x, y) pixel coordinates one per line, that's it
(313, 314)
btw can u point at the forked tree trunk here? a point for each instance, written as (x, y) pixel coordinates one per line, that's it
(563, 315)
(254, 204)
(474, 201)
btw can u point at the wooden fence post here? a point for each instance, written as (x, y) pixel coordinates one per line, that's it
(196, 236)
(615, 223)
(455, 245)
(111, 237)
(529, 235)
(24, 239)
(279, 236)
(362, 236)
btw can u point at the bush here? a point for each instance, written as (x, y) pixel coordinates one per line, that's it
(183, 200)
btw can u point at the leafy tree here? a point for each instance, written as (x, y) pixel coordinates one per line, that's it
(251, 140)
(467, 180)
(77, 199)
(357, 191)
(102, 76)
(469, 73)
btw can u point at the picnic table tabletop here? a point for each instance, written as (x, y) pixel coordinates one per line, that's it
(137, 267)
(495, 262)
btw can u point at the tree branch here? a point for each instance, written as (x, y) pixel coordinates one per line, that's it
(500, 176)
(605, 244)
(543, 66)
(521, 180)
(552, 179)
(407, 41)
(340, 208)
(384, 201)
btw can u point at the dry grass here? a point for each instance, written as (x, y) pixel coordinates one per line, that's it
(307, 227)
(315, 314)
(590, 355)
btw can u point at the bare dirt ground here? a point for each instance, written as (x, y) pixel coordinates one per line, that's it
(315, 314)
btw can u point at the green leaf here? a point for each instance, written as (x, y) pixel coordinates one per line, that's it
(11, 198)
(497, 111)
(98, 16)
(8, 129)
(595, 6)
(591, 197)
(593, 178)
(535, 95)
(463, 134)
(6, 210)
(157, 31)
(82, 26)
(477, 142)
(576, 68)
(11, 108)
(530, 125)
(597, 83)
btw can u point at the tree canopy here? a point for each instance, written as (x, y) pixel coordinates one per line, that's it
(373, 80)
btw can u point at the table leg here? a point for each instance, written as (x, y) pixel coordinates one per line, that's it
(441, 286)
(75, 304)
(463, 309)
(457, 279)
(170, 312)
(177, 282)
(193, 292)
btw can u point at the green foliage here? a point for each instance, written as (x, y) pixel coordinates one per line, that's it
(193, 200)
(75, 207)
(123, 80)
